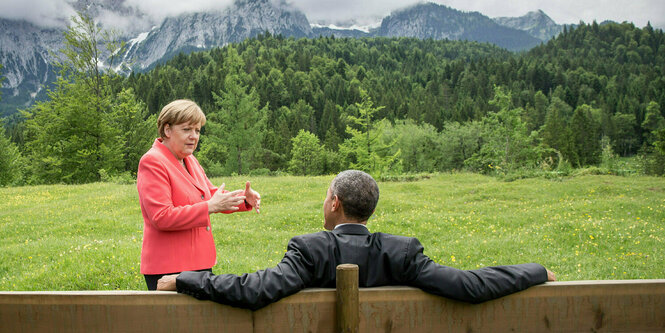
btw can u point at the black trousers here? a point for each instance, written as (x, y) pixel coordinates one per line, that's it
(151, 279)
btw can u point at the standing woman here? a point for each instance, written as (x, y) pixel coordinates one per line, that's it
(177, 198)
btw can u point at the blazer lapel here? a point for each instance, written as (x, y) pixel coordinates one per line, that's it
(192, 172)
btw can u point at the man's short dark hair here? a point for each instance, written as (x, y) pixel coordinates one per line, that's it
(358, 193)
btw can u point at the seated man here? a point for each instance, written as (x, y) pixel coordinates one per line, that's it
(383, 259)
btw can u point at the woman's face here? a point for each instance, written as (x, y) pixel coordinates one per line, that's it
(182, 139)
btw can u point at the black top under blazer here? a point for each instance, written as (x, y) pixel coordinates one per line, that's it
(383, 259)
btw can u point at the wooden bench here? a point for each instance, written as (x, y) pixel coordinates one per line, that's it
(575, 306)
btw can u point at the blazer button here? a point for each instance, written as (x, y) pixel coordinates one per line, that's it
(208, 228)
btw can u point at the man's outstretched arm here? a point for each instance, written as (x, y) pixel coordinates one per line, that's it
(473, 286)
(253, 290)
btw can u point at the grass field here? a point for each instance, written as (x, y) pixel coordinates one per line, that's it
(88, 237)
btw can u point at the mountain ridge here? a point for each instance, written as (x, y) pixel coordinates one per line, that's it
(442, 22)
(536, 23)
(26, 50)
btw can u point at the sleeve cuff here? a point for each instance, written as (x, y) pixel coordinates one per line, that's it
(192, 284)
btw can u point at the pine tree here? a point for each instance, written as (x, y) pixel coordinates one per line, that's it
(67, 141)
(653, 122)
(72, 136)
(624, 137)
(584, 140)
(236, 124)
(364, 150)
(276, 139)
(137, 129)
(555, 130)
(653, 150)
(506, 143)
(10, 157)
(537, 117)
(11, 161)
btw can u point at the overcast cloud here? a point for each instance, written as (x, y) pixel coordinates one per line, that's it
(159, 9)
(55, 12)
(45, 13)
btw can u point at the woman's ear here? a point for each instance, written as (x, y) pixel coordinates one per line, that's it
(167, 131)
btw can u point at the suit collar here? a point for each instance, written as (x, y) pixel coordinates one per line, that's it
(352, 229)
(174, 161)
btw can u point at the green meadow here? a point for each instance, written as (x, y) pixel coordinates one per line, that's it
(88, 237)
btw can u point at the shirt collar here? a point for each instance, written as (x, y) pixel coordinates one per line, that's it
(351, 229)
(339, 225)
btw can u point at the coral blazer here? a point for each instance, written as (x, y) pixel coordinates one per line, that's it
(177, 235)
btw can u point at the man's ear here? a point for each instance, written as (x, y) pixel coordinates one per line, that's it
(336, 203)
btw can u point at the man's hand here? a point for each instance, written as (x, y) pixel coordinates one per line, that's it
(167, 282)
(252, 197)
(550, 275)
(228, 201)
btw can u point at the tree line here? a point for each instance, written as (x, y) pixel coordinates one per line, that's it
(385, 105)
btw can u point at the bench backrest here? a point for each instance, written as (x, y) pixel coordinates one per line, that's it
(589, 306)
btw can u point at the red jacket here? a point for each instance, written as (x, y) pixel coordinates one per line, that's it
(176, 226)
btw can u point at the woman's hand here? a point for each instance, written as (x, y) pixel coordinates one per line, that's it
(228, 201)
(252, 197)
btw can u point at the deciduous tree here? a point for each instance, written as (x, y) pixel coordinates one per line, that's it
(307, 155)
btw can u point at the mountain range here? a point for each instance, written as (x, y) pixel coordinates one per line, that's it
(28, 52)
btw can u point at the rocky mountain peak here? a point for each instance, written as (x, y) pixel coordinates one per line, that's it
(192, 31)
(430, 20)
(536, 23)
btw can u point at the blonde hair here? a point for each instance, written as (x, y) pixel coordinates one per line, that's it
(178, 112)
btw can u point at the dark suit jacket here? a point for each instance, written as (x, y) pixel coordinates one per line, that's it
(383, 259)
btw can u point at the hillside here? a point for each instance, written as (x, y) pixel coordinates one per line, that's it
(592, 94)
(616, 68)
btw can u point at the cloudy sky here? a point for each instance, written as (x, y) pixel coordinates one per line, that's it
(561, 11)
(51, 12)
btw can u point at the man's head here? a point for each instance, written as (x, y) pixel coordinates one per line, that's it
(351, 198)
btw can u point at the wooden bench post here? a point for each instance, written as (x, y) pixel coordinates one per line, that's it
(347, 301)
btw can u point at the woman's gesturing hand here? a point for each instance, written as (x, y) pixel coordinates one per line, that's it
(228, 201)
(253, 198)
